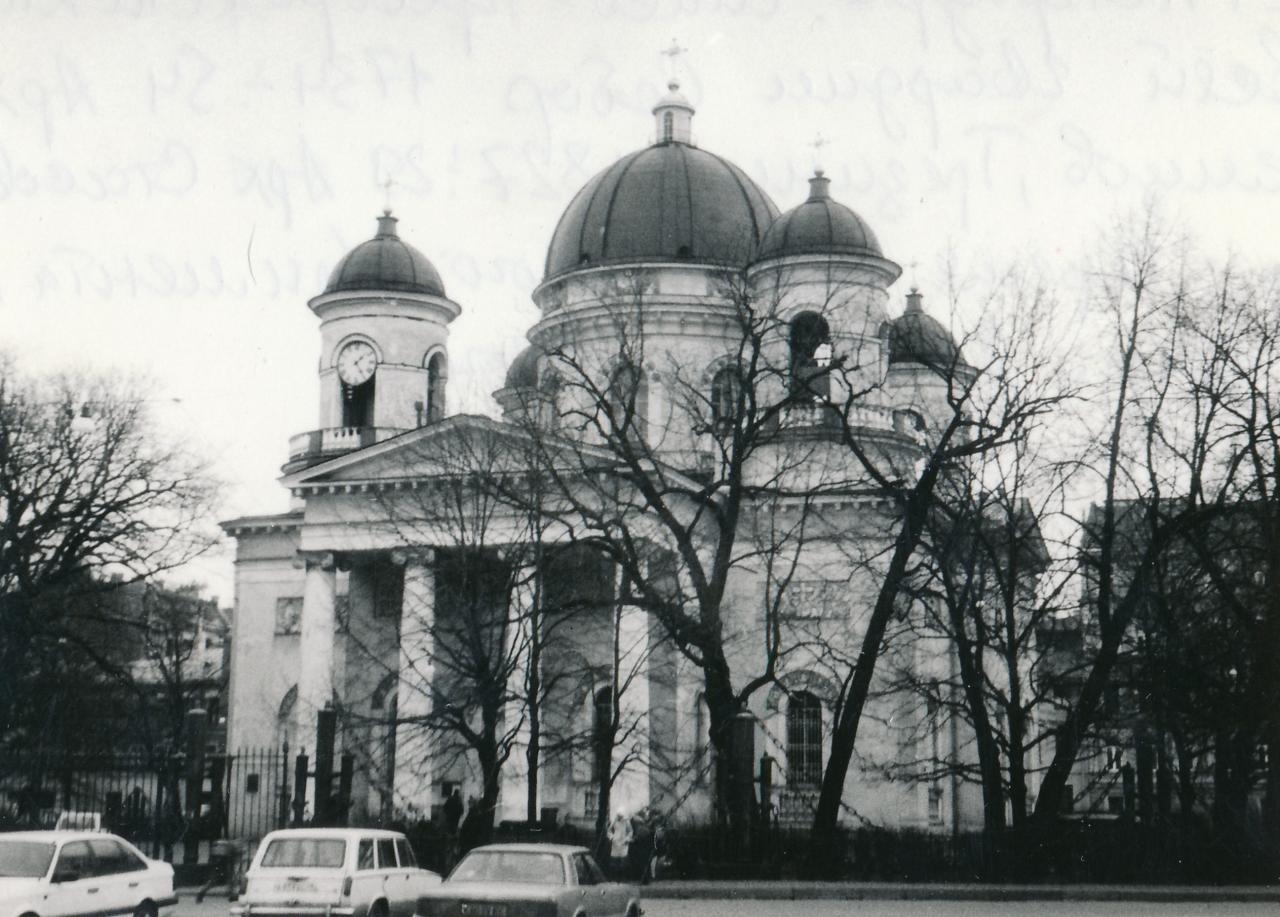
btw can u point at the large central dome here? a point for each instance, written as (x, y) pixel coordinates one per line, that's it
(669, 202)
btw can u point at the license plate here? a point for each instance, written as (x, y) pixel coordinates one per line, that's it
(484, 910)
(296, 885)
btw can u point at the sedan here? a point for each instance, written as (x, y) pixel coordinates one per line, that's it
(529, 880)
(72, 873)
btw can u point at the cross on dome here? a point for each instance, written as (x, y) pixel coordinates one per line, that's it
(673, 53)
(818, 143)
(387, 184)
(673, 115)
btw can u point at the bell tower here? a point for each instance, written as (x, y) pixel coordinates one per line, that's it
(384, 357)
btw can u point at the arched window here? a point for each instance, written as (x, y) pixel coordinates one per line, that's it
(810, 356)
(668, 127)
(286, 727)
(357, 403)
(628, 401)
(602, 734)
(726, 391)
(804, 739)
(437, 375)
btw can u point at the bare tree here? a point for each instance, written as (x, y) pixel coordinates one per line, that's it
(89, 496)
(976, 409)
(683, 476)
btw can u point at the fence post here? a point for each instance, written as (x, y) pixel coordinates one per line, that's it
(344, 789)
(326, 727)
(299, 790)
(197, 720)
(284, 786)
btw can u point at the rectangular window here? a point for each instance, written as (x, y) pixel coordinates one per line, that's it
(935, 804)
(407, 858)
(364, 855)
(304, 853)
(1113, 759)
(288, 615)
(386, 853)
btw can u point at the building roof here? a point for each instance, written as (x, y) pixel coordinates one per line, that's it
(819, 226)
(917, 337)
(523, 371)
(669, 202)
(386, 262)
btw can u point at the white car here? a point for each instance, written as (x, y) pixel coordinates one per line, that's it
(65, 873)
(361, 872)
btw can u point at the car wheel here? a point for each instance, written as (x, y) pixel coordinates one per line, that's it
(146, 909)
(378, 909)
(633, 911)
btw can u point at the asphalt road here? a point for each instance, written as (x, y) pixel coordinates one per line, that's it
(217, 907)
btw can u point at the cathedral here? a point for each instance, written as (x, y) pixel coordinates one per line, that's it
(342, 602)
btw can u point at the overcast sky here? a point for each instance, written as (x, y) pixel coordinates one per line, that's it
(178, 177)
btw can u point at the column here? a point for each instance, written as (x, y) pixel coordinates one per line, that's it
(414, 785)
(631, 652)
(316, 645)
(513, 799)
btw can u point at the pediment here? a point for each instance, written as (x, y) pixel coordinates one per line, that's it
(461, 444)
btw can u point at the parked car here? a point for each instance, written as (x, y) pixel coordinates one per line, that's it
(65, 873)
(361, 872)
(529, 880)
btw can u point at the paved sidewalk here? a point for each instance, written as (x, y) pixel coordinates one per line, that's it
(939, 891)
(706, 890)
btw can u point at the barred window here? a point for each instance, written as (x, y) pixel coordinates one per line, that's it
(804, 739)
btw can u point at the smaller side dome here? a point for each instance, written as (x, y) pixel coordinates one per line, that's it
(819, 226)
(385, 262)
(917, 337)
(523, 371)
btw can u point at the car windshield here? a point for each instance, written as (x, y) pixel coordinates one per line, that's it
(305, 852)
(510, 866)
(25, 859)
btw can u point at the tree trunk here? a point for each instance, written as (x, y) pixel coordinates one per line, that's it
(993, 821)
(534, 710)
(824, 846)
(735, 803)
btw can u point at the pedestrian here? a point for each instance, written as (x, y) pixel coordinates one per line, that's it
(641, 847)
(469, 832)
(620, 836)
(452, 818)
(453, 811)
(659, 861)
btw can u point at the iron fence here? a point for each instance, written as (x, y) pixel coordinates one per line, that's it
(169, 806)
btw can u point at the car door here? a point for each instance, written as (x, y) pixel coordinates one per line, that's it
(71, 882)
(392, 880)
(412, 878)
(123, 878)
(613, 894)
(593, 891)
(366, 883)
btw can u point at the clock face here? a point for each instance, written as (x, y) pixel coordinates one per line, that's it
(356, 362)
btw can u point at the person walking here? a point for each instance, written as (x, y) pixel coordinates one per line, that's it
(620, 837)
(452, 819)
